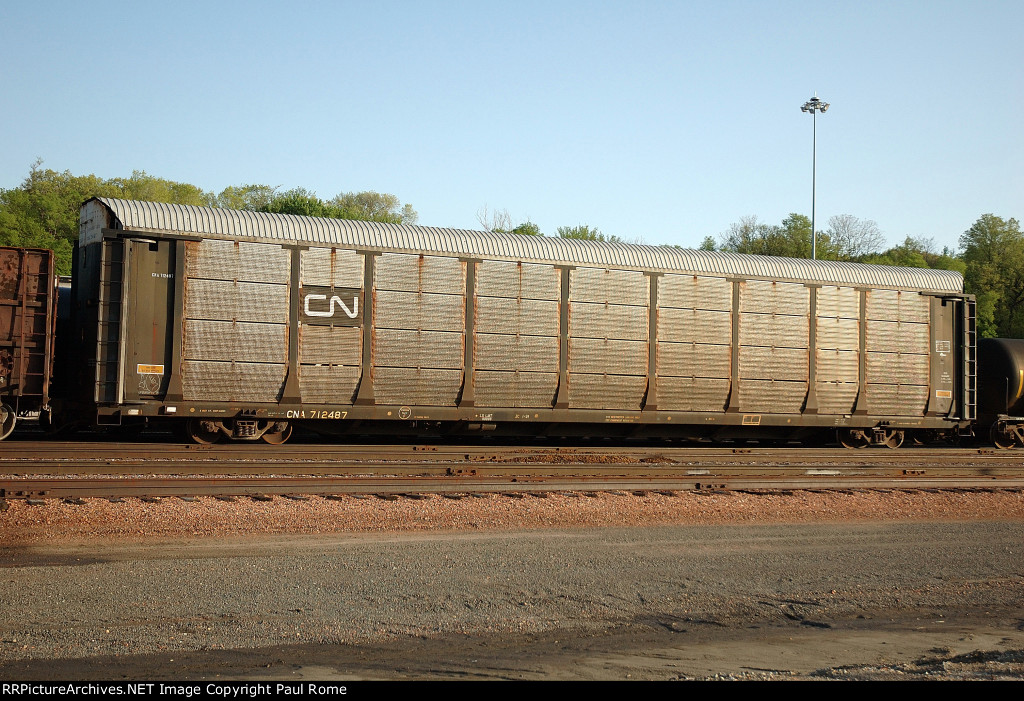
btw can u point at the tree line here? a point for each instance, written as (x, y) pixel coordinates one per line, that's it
(43, 213)
(990, 257)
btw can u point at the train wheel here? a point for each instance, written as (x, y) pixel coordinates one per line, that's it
(278, 437)
(7, 420)
(202, 432)
(1001, 439)
(852, 438)
(893, 439)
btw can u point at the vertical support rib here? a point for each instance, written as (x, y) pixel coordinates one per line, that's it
(651, 397)
(732, 403)
(562, 397)
(811, 401)
(466, 396)
(860, 405)
(364, 395)
(292, 392)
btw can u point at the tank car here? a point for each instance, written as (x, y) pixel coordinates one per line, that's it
(241, 325)
(1001, 391)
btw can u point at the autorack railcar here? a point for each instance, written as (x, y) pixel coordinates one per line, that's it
(243, 324)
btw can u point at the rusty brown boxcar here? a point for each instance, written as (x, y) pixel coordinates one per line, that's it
(27, 324)
(243, 324)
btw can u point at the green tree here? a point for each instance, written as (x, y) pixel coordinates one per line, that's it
(527, 228)
(708, 244)
(43, 211)
(148, 188)
(252, 198)
(585, 232)
(791, 239)
(993, 251)
(374, 206)
(301, 202)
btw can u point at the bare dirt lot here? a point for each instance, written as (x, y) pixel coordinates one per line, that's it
(808, 585)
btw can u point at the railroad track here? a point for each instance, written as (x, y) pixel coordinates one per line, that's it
(265, 487)
(34, 470)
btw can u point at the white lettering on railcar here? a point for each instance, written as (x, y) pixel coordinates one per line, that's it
(350, 313)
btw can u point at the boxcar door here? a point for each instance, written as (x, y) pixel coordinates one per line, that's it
(149, 309)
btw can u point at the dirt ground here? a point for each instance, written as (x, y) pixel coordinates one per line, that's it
(920, 600)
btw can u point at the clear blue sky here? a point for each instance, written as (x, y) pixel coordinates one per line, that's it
(666, 121)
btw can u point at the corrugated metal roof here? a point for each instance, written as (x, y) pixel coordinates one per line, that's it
(234, 224)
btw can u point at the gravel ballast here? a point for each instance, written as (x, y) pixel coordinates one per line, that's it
(612, 586)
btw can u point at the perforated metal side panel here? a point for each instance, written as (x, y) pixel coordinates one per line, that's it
(330, 355)
(694, 353)
(235, 343)
(516, 334)
(837, 352)
(773, 354)
(897, 346)
(609, 324)
(419, 329)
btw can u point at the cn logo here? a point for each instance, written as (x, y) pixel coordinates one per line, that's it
(330, 306)
(352, 313)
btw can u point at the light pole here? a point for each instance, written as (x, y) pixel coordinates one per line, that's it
(812, 106)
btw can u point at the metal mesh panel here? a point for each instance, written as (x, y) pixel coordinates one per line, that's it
(772, 397)
(841, 302)
(608, 321)
(337, 345)
(842, 334)
(418, 349)
(331, 267)
(695, 292)
(774, 297)
(220, 300)
(517, 280)
(416, 386)
(504, 352)
(328, 384)
(837, 365)
(412, 273)
(897, 336)
(773, 330)
(512, 316)
(886, 305)
(622, 392)
(688, 325)
(231, 382)
(692, 393)
(515, 389)
(896, 400)
(600, 355)
(910, 368)
(609, 286)
(226, 340)
(237, 260)
(763, 363)
(693, 360)
(411, 310)
(836, 397)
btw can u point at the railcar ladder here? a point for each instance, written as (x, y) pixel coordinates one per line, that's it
(969, 344)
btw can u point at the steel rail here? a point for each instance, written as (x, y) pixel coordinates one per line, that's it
(73, 451)
(278, 485)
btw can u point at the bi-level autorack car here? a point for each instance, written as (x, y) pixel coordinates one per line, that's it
(242, 325)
